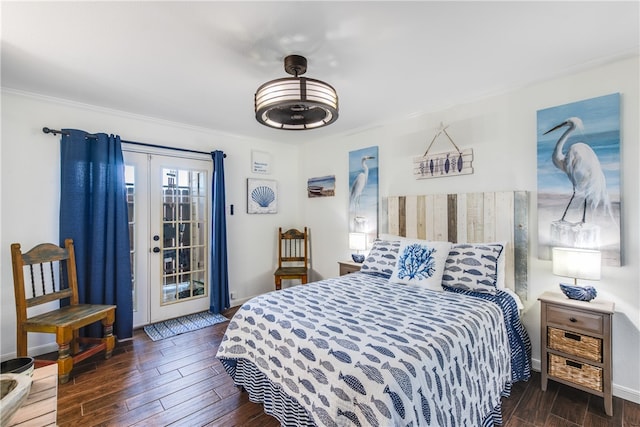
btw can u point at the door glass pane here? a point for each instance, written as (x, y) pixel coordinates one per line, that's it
(184, 243)
(130, 182)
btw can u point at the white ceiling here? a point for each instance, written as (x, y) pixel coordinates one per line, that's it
(199, 63)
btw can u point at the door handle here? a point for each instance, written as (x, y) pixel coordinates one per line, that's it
(156, 249)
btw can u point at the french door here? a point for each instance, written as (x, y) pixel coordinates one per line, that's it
(169, 225)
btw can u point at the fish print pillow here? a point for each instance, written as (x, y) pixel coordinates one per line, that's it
(382, 258)
(475, 267)
(421, 262)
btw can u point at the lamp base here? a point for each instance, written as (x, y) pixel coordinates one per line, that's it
(359, 258)
(580, 293)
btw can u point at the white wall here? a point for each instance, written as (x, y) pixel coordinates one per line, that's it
(502, 132)
(500, 129)
(30, 191)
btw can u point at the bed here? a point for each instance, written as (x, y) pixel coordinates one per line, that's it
(379, 348)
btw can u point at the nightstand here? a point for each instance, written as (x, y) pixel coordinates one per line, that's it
(576, 344)
(348, 267)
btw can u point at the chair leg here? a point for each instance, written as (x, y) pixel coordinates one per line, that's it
(108, 338)
(304, 279)
(22, 342)
(75, 343)
(278, 283)
(65, 361)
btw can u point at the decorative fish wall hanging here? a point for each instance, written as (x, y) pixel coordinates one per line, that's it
(448, 163)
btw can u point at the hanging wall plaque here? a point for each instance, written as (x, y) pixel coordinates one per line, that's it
(448, 163)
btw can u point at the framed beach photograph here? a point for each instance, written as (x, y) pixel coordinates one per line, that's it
(262, 196)
(322, 186)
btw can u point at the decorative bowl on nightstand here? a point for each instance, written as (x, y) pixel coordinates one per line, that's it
(357, 258)
(580, 293)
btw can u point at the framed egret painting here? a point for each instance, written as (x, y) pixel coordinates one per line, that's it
(262, 196)
(579, 177)
(363, 192)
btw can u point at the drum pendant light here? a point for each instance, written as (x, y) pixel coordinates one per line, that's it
(296, 103)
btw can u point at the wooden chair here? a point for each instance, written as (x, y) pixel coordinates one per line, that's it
(293, 259)
(46, 264)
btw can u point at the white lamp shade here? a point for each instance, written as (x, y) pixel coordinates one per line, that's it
(358, 241)
(577, 263)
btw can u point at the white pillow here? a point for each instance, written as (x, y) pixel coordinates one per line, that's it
(421, 262)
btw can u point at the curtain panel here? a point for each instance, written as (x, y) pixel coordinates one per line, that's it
(93, 212)
(219, 271)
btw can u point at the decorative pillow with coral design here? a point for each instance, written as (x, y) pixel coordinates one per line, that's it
(421, 262)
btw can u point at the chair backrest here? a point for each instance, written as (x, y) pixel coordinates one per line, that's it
(45, 265)
(292, 247)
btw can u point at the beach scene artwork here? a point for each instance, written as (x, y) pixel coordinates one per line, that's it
(578, 154)
(323, 186)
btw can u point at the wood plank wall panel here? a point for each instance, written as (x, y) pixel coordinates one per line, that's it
(402, 217)
(429, 202)
(469, 217)
(452, 216)
(393, 222)
(422, 225)
(521, 242)
(504, 228)
(440, 219)
(411, 211)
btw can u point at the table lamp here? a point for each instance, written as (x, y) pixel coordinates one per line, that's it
(358, 242)
(578, 264)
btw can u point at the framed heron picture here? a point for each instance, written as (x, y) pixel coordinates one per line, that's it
(262, 196)
(579, 177)
(363, 192)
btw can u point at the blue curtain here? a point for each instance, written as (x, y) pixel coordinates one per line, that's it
(93, 212)
(219, 271)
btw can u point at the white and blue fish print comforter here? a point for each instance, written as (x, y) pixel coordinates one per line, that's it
(359, 350)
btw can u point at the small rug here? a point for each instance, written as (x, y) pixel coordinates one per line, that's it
(180, 325)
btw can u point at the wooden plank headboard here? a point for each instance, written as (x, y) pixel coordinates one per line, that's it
(469, 218)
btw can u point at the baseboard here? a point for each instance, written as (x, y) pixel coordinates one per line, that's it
(617, 390)
(38, 350)
(239, 301)
(626, 393)
(535, 364)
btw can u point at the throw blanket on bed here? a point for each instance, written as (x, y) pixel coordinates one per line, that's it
(358, 350)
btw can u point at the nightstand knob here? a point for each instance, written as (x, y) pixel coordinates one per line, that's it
(573, 319)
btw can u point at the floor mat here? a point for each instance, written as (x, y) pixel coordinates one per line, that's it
(180, 325)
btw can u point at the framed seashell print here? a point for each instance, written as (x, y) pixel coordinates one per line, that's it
(262, 196)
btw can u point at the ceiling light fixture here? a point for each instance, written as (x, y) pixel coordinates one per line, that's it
(296, 103)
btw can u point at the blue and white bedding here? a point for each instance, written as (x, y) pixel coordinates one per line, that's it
(359, 350)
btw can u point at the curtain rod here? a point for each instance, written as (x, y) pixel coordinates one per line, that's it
(56, 132)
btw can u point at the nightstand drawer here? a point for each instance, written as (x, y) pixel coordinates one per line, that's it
(586, 322)
(348, 267)
(579, 373)
(575, 344)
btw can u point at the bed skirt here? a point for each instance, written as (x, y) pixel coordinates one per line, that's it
(287, 410)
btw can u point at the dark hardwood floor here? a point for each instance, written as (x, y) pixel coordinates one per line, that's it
(178, 381)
